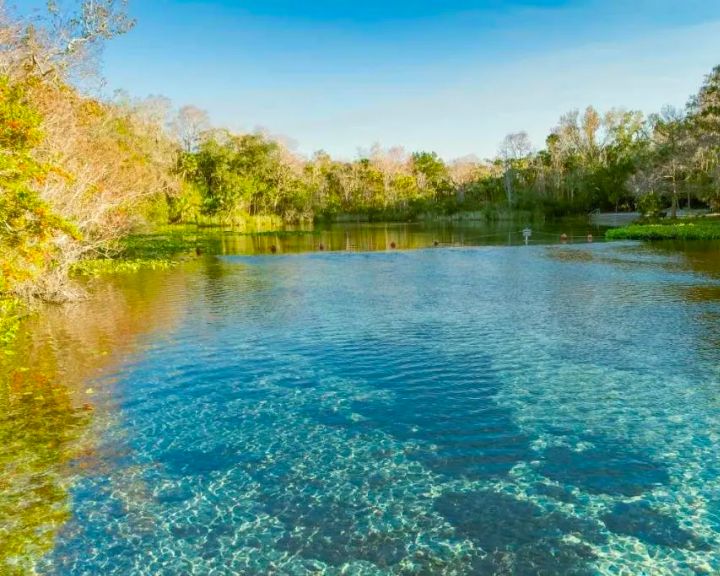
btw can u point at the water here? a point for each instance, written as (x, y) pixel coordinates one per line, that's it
(356, 237)
(488, 410)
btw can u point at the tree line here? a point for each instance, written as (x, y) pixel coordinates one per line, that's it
(78, 172)
(619, 160)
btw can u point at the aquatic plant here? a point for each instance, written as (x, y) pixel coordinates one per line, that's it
(102, 266)
(694, 230)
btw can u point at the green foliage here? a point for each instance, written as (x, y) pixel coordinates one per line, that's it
(696, 230)
(241, 173)
(185, 206)
(432, 171)
(650, 205)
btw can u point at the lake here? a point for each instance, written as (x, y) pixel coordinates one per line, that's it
(542, 409)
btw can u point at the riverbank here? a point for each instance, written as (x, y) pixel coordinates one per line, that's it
(697, 229)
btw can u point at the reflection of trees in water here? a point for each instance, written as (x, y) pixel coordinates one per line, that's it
(363, 237)
(46, 409)
(40, 428)
(704, 258)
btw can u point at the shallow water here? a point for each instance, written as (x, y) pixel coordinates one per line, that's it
(487, 410)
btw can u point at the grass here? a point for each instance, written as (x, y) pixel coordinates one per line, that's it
(700, 229)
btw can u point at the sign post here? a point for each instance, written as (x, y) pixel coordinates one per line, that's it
(527, 233)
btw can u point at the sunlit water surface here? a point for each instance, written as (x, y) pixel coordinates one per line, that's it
(490, 410)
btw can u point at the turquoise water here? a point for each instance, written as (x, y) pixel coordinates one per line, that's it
(492, 410)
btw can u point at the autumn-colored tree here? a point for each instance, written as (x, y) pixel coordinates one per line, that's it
(31, 233)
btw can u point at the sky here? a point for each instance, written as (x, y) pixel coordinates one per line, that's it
(453, 76)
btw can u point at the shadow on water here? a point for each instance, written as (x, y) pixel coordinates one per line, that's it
(608, 467)
(444, 405)
(519, 537)
(651, 526)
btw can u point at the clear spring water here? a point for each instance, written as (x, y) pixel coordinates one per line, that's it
(524, 410)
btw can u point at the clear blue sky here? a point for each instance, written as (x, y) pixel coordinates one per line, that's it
(448, 75)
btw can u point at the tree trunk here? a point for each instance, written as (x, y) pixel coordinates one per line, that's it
(674, 199)
(674, 208)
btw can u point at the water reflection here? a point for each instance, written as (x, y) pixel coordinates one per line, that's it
(50, 404)
(373, 237)
(40, 428)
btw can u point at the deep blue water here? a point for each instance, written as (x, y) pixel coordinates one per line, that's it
(523, 410)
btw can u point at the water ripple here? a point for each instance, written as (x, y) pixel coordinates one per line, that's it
(470, 411)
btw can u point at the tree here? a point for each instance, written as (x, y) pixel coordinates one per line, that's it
(463, 173)
(431, 174)
(644, 185)
(247, 173)
(514, 148)
(672, 152)
(391, 164)
(58, 40)
(704, 121)
(188, 126)
(30, 232)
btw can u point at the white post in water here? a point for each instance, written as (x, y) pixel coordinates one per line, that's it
(526, 234)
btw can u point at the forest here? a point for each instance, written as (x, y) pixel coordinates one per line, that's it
(79, 171)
